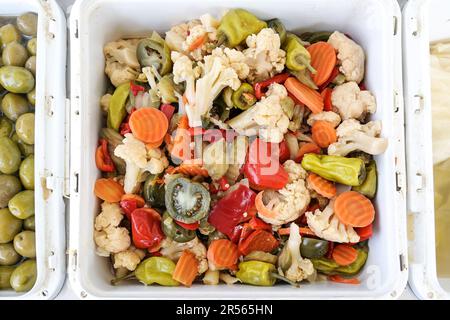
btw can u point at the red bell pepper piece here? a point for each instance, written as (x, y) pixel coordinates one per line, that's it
(284, 152)
(236, 233)
(223, 184)
(257, 224)
(125, 126)
(365, 232)
(261, 87)
(188, 226)
(168, 110)
(258, 240)
(232, 209)
(128, 206)
(326, 95)
(263, 169)
(103, 159)
(135, 89)
(146, 228)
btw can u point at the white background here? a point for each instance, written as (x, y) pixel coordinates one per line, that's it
(66, 292)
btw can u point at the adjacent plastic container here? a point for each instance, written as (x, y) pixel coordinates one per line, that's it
(425, 22)
(375, 24)
(49, 146)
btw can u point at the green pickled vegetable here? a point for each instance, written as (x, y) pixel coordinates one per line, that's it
(304, 76)
(16, 79)
(24, 276)
(348, 171)
(330, 267)
(236, 26)
(313, 37)
(6, 127)
(5, 276)
(297, 57)
(154, 192)
(117, 106)
(259, 273)
(244, 97)
(172, 230)
(166, 88)
(279, 28)
(154, 51)
(369, 186)
(313, 248)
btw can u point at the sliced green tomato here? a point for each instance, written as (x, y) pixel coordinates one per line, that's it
(117, 106)
(187, 201)
(174, 231)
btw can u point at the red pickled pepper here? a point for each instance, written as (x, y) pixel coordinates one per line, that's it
(258, 240)
(261, 87)
(146, 228)
(168, 110)
(103, 159)
(135, 89)
(125, 126)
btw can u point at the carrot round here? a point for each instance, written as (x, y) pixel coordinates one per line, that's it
(309, 147)
(304, 231)
(186, 269)
(154, 145)
(323, 59)
(149, 125)
(190, 170)
(180, 144)
(311, 98)
(354, 209)
(340, 279)
(261, 207)
(322, 186)
(108, 190)
(344, 255)
(258, 240)
(223, 253)
(323, 133)
(129, 196)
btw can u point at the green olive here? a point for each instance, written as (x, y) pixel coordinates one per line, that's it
(8, 256)
(30, 65)
(24, 276)
(9, 226)
(9, 33)
(32, 46)
(32, 97)
(27, 24)
(25, 149)
(22, 204)
(25, 128)
(6, 127)
(5, 276)
(9, 187)
(16, 79)
(29, 224)
(25, 244)
(14, 105)
(9, 156)
(313, 248)
(26, 173)
(14, 54)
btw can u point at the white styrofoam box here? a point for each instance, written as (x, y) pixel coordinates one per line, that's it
(425, 21)
(375, 24)
(49, 146)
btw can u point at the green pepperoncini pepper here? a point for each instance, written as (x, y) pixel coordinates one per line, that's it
(297, 57)
(117, 106)
(348, 171)
(154, 51)
(244, 97)
(259, 273)
(330, 267)
(369, 186)
(237, 25)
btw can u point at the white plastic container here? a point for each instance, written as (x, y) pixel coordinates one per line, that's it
(375, 24)
(49, 147)
(425, 21)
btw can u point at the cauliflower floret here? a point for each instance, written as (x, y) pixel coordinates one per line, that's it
(264, 55)
(290, 202)
(290, 262)
(110, 216)
(233, 58)
(351, 102)
(352, 136)
(129, 258)
(122, 64)
(104, 102)
(173, 250)
(178, 34)
(351, 56)
(266, 116)
(112, 240)
(330, 116)
(327, 226)
(139, 159)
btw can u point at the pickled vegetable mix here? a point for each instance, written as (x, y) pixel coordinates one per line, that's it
(235, 150)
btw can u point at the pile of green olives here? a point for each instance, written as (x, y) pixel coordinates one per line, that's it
(18, 47)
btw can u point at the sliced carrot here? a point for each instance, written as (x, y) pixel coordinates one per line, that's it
(258, 240)
(311, 98)
(309, 147)
(365, 233)
(186, 269)
(190, 170)
(326, 95)
(323, 133)
(108, 190)
(180, 147)
(261, 207)
(304, 231)
(323, 59)
(322, 186)
(149, 125)
(354, 209)
(223, 254)
(129, 196)
(198, 42)
(344, 255)
(156, 144)
(340, 279)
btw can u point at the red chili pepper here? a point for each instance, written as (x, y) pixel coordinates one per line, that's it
(168, 110)
(284, 152)
(261, 87)
(257, 224)
(135, 89)
(263, 169)
(258, 240)
(365, 232)
(146, 228)
(326, 95)
(223, 183)
(236, 233)
(128, 206)
(362, 86)
(188, 226)
(232, 209)
(333, 75)
(103, 159)
(125, 126)
(247, 230)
